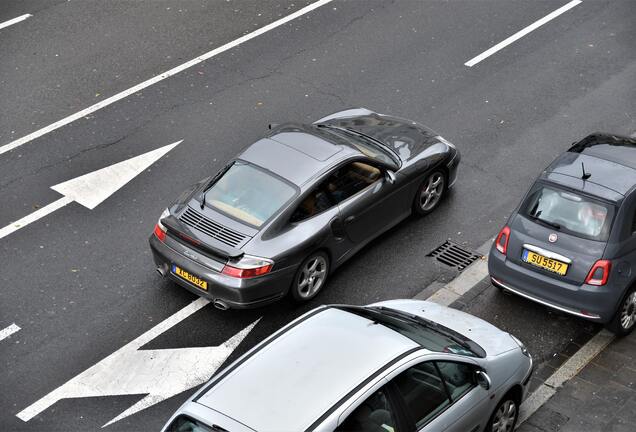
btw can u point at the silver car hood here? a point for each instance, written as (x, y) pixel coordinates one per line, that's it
(493, 340)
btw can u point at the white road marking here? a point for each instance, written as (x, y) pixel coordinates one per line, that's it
(91, 189)
(36, 215)
(5, 333)
(58, 124)
(472, 62)
(157, 374)
(14, 20)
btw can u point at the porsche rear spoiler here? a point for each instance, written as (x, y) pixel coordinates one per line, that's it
(210, 245)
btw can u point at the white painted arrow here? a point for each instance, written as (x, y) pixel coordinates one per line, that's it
(157, 374)
(91, 189)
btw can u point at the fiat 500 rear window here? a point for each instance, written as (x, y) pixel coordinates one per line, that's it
(570, 212)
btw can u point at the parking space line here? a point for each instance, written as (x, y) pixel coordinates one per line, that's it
(472, 62)
(208, 55)
(5, 333)
(14, 20)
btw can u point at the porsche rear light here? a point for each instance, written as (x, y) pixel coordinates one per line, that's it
(160, 232)
(160, 229)
(502, 240)
(248, 267)
(599, 273)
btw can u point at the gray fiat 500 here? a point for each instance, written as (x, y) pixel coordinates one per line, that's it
(571, 243)
(295, 205)
(395, 366)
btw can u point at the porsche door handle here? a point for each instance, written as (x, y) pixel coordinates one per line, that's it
(349, 219)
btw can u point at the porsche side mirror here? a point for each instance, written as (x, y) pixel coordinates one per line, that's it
(389, 176)
(483, 380)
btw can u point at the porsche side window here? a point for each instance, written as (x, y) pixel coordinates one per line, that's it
(350, 179)
(316, 202)
(374, 415)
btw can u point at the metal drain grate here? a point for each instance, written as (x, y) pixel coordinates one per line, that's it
(454, 255)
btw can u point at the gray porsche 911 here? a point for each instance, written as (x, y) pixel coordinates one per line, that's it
(293, 206)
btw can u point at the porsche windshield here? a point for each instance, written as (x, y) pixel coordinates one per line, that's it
(248, 194)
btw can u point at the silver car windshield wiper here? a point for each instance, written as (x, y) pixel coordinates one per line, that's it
(458, 338)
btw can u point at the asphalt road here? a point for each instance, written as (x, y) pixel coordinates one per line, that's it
(80, 283)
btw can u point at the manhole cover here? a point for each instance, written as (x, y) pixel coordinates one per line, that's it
(454, 255)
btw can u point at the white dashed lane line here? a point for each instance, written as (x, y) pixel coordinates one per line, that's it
(472, 62)
(208, 55)
(14, 20)
(5, 333)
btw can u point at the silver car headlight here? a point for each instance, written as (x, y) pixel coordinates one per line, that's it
(523, 348)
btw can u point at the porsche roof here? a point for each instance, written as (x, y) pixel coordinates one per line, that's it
(284, 387)
(298, 152)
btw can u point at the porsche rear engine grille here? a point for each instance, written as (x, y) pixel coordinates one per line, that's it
(217, 231)
(454, 255)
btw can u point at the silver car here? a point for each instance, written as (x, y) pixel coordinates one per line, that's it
(395, 366)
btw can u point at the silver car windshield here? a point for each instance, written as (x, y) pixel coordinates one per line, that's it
(570, 212)
(248, 194)
(433, 337)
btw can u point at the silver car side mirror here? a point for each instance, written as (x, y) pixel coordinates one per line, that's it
(483, 380)
(389, 176)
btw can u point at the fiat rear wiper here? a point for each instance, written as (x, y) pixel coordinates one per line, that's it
(552, 224)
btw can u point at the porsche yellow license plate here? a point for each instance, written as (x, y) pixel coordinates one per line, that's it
(549, 264)
(190, 277)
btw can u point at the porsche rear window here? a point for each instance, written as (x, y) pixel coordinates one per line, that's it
(570, 212)
(249, 194)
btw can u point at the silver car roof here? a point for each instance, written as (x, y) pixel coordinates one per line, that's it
(292, 381)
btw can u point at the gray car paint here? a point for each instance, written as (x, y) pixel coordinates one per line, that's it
(610, 181)
(339, 231)
(507, 367)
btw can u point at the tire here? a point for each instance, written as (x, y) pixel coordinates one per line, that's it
(624, 321)
(504, 418)
(310, 277)
(430, 193)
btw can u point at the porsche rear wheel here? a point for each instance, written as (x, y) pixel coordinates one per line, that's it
(310, 277)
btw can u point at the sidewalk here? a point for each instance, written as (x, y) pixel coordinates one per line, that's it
(601, 398)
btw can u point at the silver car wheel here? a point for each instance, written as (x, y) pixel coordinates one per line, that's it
(432, 193)
(312, 277)
(628, 312)
(505, 417)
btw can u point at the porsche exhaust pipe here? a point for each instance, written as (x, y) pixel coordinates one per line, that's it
(162, 270)
(220, 304)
